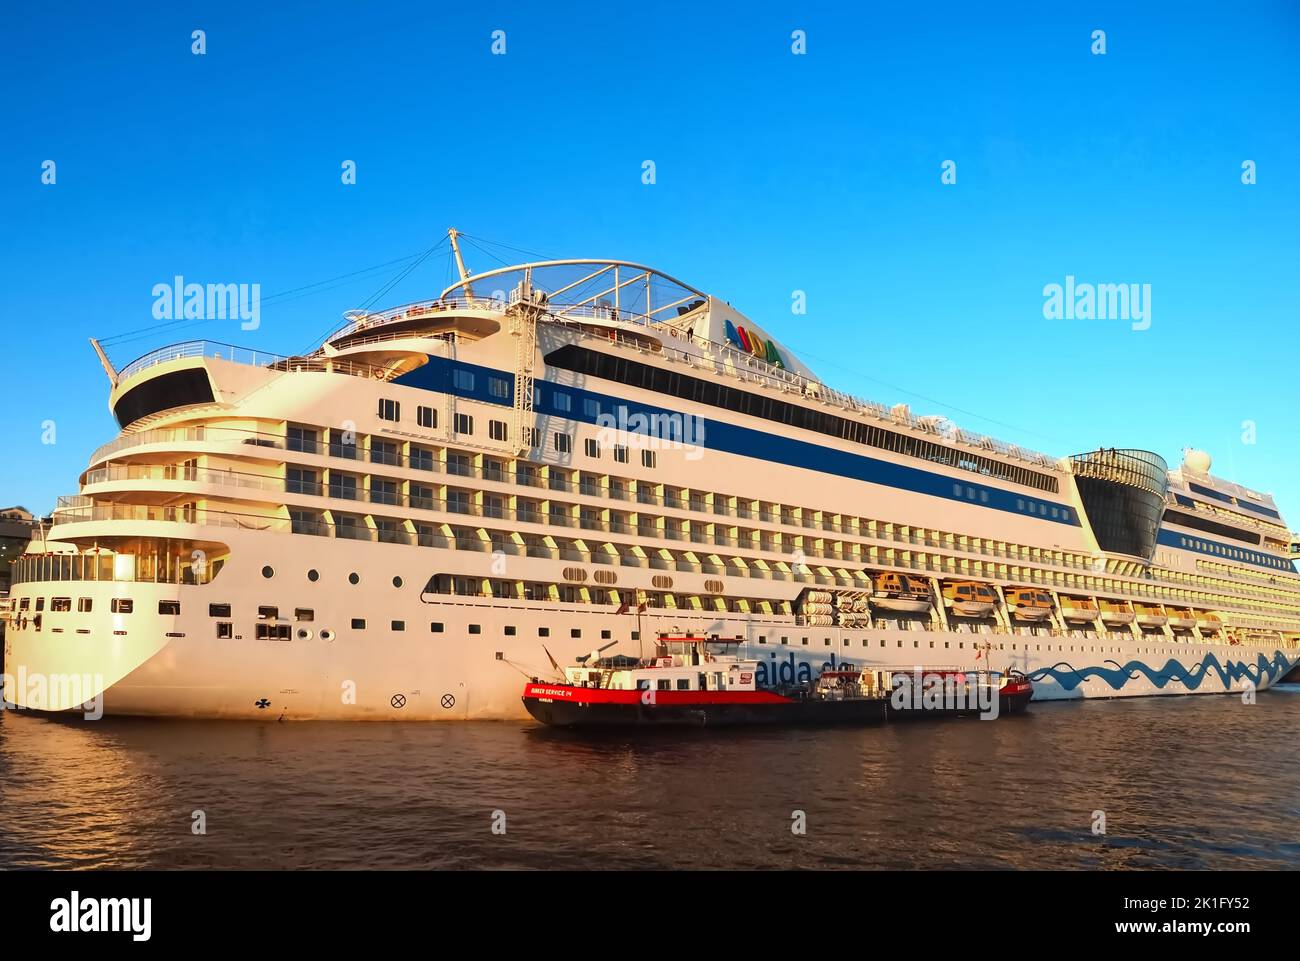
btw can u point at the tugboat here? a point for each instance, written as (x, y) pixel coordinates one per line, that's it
(702, 682)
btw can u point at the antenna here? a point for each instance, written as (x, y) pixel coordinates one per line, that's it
(453, 234)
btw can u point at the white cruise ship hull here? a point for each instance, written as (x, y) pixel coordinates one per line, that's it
(471, 669)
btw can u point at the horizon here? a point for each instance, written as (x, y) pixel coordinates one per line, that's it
(776, 174)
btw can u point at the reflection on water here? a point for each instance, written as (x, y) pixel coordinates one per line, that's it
(1192, 782)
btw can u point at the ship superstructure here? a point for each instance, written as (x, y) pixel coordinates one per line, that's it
(447, 496)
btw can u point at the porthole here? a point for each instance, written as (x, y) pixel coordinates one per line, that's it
(304, 634)
(327, 635)
(354, 578)
(397, 582)
(268, 572)
(313, 575)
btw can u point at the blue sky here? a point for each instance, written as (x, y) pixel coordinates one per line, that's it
(775, 173)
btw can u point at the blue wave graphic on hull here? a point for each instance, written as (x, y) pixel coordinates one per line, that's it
(1070, 677)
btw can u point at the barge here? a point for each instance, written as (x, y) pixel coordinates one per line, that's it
(700, 681)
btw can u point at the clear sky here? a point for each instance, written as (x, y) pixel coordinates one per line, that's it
(775, 172)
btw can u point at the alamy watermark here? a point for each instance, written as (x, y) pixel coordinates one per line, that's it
(1076, 301)
(54, 692)
(181, 301)
(923, 691)
(653, 431)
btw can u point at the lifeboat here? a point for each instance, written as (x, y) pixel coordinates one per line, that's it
(1117, 612)
(1078, 608)
(1029, 603)
(970, 598)
(1182, 618)
(1208, 621)
(899, 592)
(1151, 615)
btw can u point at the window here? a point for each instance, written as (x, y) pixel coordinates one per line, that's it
(268, 572)
(592, 447)
(543, 632)
(421, 458)
(313, 575)
(620, 453)
(563, 443)
(358, 623)
(398, 625)
(383, 491)
(562, 401)
(530, 437)
(683, 684)
(343, 443)
(302, 439)
(510, 630)
(464, 424)
(343, 486)
(85, 604)
(384, 452)
(300, 480)
(122, 605)
(605, 635)
(462, 379)
(225, 630)
(218, 610)
(591, 408)
(304, 614)
(647, 458)
(389, 410)
(169, 607)
(426, 417)
(476, 629)
(435, 627)
(60, 604)
(498, 430)
(575, 632)
(307, 522)
(272, 632)
(268, 613)
(665, 381)
(499, 387)
(421, 497)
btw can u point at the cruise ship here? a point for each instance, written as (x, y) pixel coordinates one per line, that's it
(447, 498)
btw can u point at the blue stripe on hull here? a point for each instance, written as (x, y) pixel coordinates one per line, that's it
(587, 407)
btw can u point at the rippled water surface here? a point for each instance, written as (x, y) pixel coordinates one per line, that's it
(1192, 782)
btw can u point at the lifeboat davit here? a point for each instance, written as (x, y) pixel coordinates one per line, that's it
(1117, 612)
(1079, 608)
(1151, 615)
(1029, 603)
(970, 598)
(899, 592)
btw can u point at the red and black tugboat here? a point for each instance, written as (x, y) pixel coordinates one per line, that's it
(701, 681)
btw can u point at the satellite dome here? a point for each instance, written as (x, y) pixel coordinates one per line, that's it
(1196, 461)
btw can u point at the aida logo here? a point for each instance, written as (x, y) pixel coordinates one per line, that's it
(751, 343)
(789, 671)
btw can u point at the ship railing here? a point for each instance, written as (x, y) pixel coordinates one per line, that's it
(725, 359)
(391, 531)
(247, 356)
(197, 348)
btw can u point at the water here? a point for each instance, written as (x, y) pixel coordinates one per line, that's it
(1187, 782)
